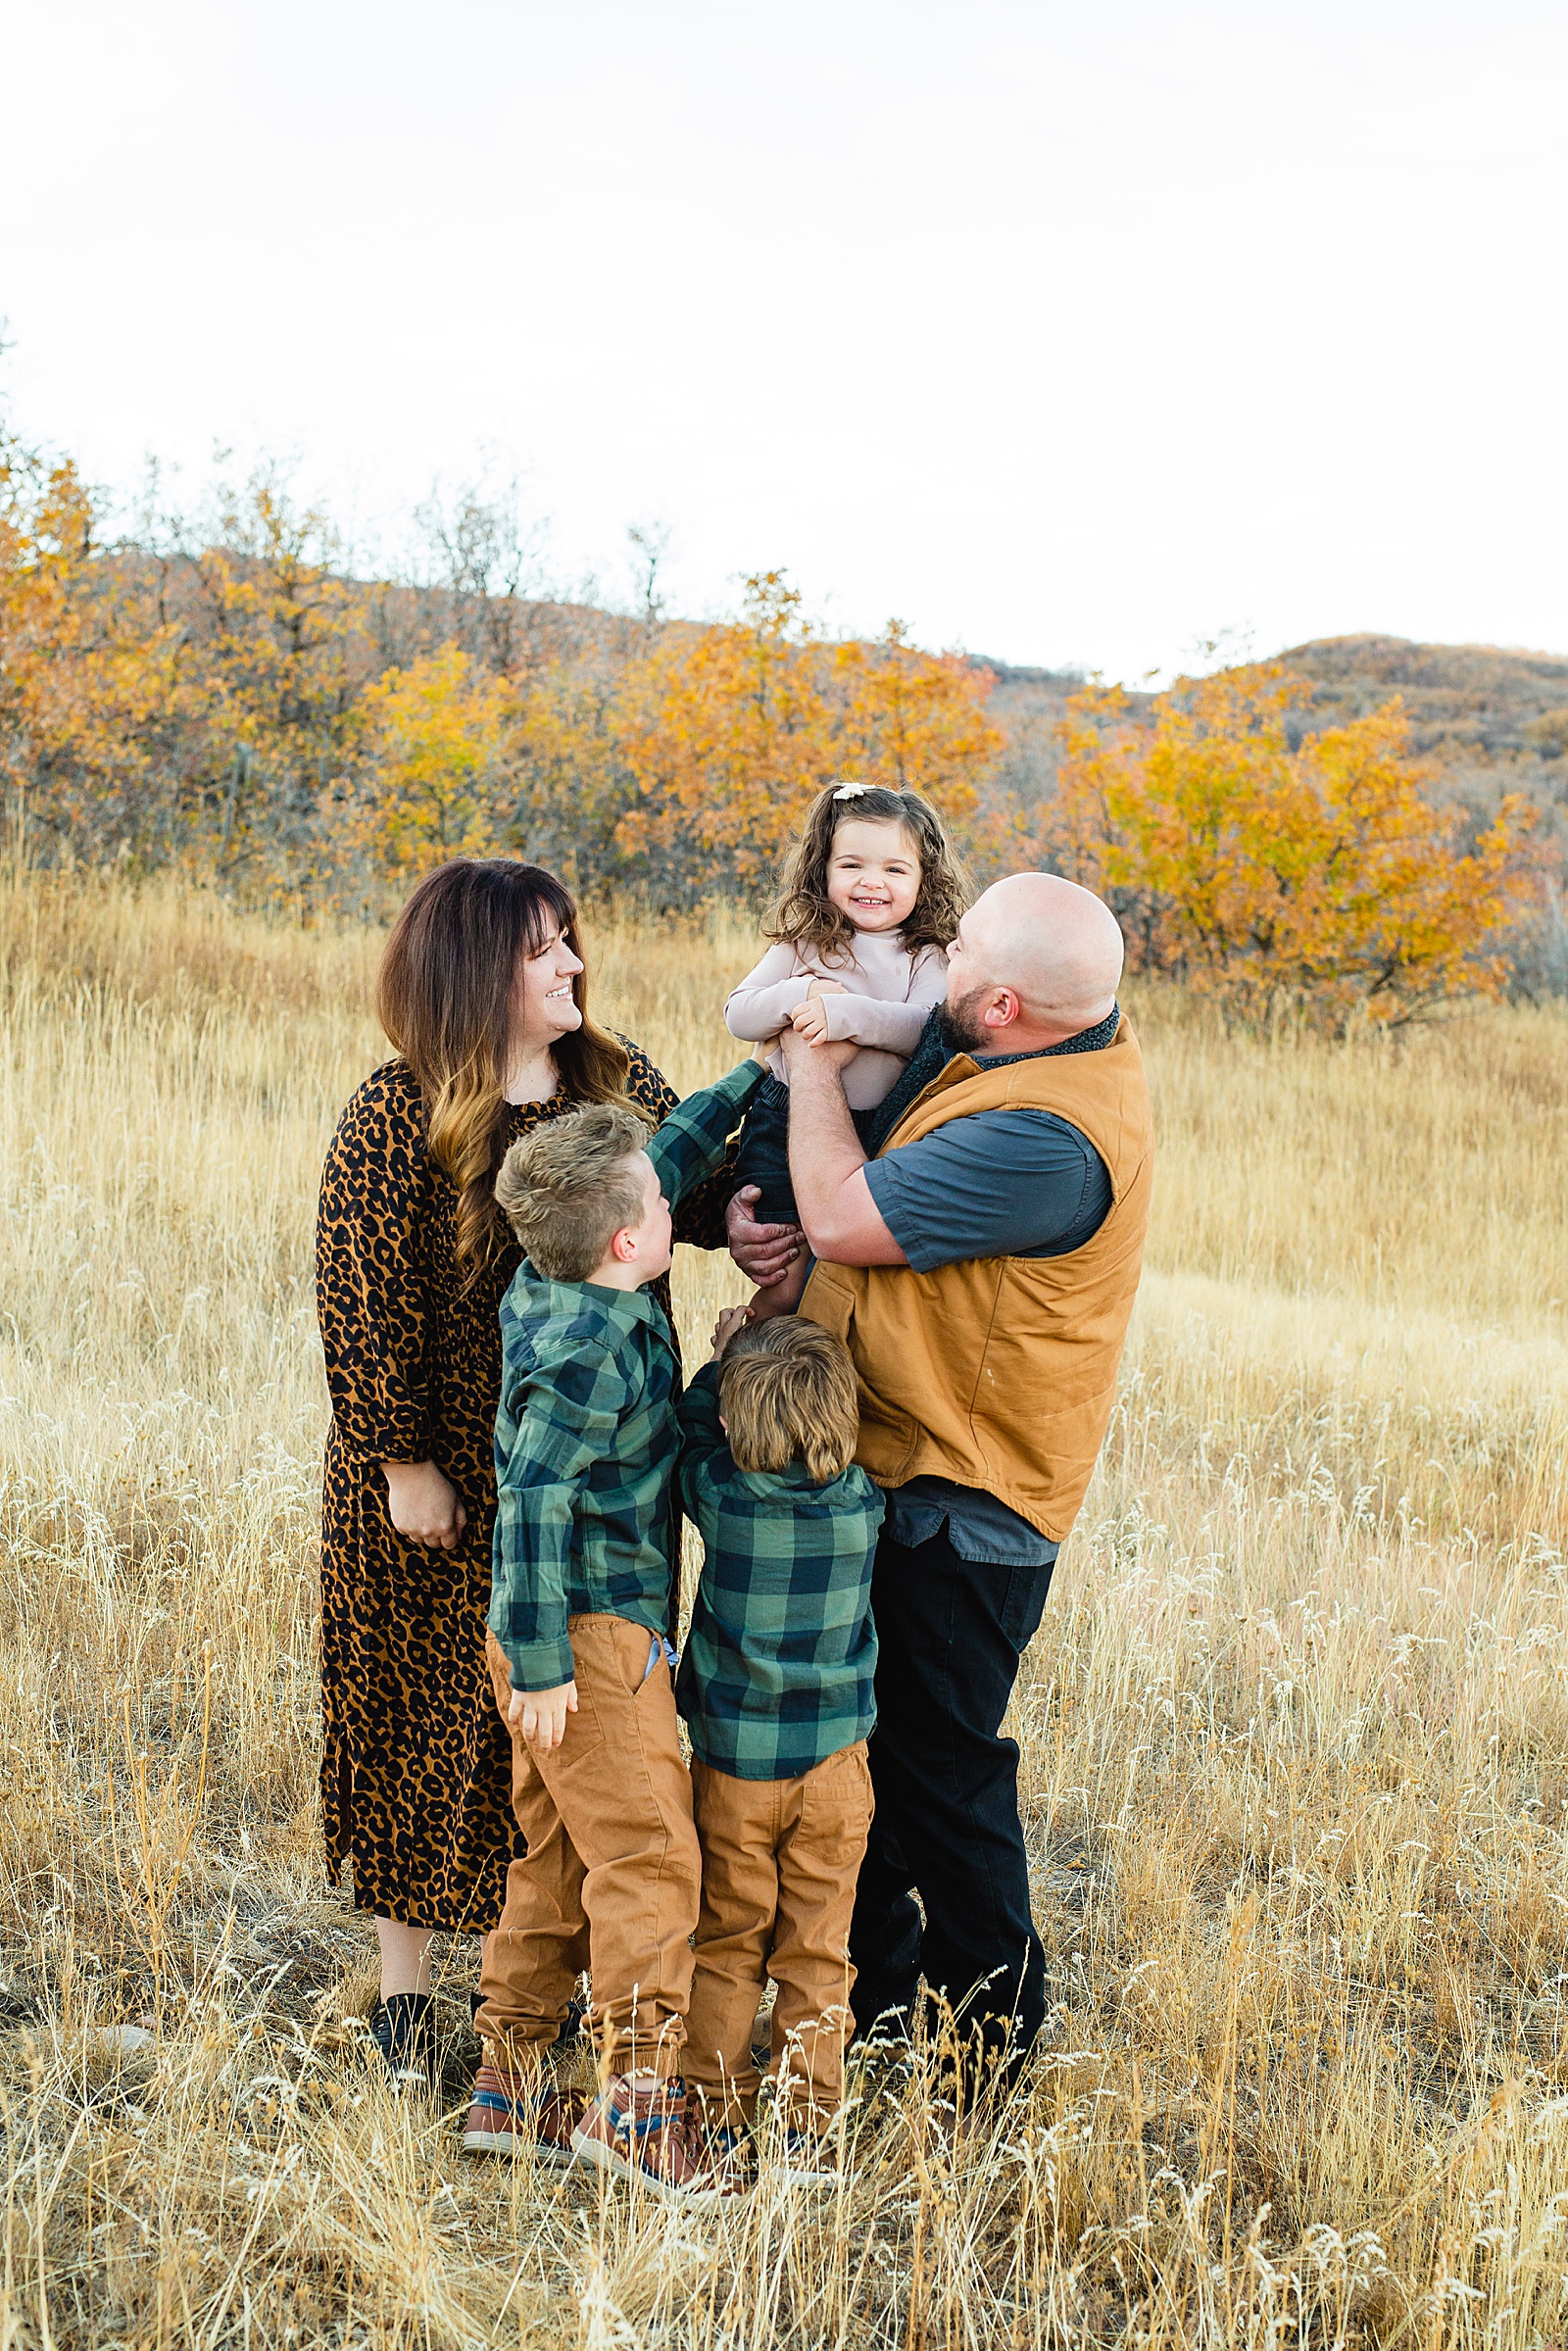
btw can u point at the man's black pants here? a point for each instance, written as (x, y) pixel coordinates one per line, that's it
(950, 1634)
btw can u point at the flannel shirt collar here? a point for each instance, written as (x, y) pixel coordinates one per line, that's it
(764, 1484)
(617, 1310)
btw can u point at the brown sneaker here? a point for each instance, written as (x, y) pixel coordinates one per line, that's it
(644, 2134)
(523, 2112)
(729, 2154)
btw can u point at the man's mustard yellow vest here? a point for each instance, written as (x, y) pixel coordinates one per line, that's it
(999, 1372)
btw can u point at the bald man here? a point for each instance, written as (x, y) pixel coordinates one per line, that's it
(981, 1266)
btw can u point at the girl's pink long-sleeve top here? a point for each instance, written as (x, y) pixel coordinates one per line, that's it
(889, 994)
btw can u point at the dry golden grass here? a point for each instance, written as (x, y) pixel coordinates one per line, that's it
(1294, 1731)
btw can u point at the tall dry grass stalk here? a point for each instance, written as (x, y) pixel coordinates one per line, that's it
(1294, 1733)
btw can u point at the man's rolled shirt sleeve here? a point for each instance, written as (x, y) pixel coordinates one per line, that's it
(999, 1183)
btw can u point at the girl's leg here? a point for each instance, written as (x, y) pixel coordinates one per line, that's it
(405, 1957)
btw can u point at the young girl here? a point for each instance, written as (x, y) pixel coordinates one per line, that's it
(871, 898)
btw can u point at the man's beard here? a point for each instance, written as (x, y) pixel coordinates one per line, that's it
(960, 1031)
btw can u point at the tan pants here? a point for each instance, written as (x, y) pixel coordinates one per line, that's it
(611, 1875)
(780, 1858)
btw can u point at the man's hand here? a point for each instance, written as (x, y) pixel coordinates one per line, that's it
(835, 1051)
(764, 1252)
(730, 1320)
(422, 1505)
(539, 1716)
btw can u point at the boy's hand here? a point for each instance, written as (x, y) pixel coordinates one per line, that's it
(730, 1320)
(826, 988)
(539, 1716)
(422, 1505)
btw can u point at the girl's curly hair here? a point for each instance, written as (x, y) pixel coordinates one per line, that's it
(806, 916)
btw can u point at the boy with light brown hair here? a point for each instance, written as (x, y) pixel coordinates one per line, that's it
(776, 1688)
(586, 1446)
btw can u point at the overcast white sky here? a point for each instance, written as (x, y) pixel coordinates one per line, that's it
(1065, 332)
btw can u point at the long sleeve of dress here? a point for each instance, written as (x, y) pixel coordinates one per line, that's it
(373, 1276)
(766, 997)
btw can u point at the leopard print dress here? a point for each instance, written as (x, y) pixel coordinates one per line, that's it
(416, 1764)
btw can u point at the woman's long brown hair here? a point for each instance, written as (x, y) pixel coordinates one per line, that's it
(445, 998)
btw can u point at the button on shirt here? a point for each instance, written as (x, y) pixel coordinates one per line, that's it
(1016, 1183)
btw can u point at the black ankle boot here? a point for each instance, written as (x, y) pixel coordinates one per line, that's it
(402, 2029)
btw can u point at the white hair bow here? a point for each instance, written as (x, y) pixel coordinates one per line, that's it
(849, 792)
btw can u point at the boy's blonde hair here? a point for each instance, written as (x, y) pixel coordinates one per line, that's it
(787, 1391)
(567, 1189)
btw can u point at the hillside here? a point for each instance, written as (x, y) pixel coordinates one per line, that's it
(1489, 721)
(1471, 704)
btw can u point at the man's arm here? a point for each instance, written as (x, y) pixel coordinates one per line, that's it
(828, 1167)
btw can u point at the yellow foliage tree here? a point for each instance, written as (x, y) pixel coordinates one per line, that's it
(728, 732)
(1275, 868)
(914, 720)
(433, 736)
(92, 686)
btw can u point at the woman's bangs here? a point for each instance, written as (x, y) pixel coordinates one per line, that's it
(542, 906)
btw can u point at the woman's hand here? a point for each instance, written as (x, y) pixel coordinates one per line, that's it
(422, 1505)
(762, 1251)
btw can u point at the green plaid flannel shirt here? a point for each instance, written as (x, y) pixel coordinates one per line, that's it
(778, 1671)
(586, 1436)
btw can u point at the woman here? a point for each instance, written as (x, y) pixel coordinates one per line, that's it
(483, 992)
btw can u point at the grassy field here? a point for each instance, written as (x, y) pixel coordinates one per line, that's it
(1295, 1731)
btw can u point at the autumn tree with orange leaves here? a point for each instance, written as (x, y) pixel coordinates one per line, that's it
(728, 732)
(223, 698)
(1277, 869)
(93, 698)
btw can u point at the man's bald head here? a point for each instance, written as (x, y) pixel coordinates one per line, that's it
(1042, 952)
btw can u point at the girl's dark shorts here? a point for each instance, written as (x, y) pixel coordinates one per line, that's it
(764, 1152)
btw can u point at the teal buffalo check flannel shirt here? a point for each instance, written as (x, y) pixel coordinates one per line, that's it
(777, 1670)
(586, 1436)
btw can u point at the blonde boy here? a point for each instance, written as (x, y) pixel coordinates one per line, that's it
(776, 1688)
(580, 1597)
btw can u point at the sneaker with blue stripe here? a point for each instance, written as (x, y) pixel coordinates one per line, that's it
(523, 2112)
